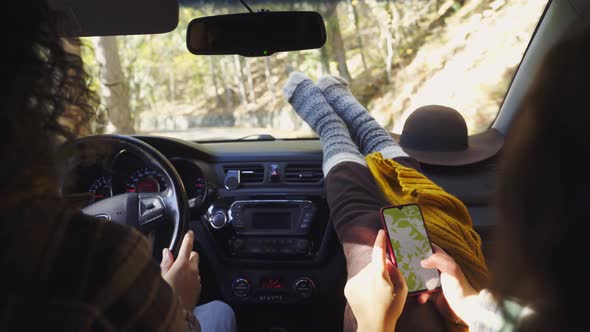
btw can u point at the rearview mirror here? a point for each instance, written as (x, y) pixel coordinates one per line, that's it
(256, 34)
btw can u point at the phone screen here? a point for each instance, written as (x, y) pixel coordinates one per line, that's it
(409, 244)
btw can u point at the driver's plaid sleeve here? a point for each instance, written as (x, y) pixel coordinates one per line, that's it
(125, 283)
(82, 274)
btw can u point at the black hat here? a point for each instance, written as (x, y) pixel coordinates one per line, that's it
(437, 135)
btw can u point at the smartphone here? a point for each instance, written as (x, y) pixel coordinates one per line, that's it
(409, 244)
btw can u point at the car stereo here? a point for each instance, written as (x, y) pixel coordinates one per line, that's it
(271, 217)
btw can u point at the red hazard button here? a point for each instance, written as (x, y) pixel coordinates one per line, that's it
(274, 173)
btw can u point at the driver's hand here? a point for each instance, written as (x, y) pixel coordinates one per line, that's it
(183, 274)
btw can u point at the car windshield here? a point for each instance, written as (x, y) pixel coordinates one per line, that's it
(397, 56)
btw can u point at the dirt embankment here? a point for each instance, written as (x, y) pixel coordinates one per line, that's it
(467, 63)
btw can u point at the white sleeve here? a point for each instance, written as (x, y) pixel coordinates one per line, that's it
(487, 316)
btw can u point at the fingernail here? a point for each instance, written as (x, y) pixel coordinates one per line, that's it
(165, 253)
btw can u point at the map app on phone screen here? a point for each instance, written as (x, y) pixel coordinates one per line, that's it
(409, 244)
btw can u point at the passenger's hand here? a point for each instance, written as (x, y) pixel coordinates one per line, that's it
(457, 290)
(183, 274)
(377, 294)
(438, 300)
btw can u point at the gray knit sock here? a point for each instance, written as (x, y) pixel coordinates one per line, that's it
(367, 133)
(311, 105)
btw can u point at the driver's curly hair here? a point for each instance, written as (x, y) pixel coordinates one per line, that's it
(45, 100)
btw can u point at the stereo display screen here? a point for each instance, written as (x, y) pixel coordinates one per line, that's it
(271, 220)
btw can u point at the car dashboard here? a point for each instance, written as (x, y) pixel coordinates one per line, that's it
(263, 229)
(262, 224)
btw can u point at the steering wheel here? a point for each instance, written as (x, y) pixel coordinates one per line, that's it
(160, 215)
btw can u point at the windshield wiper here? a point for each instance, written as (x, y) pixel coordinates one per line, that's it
(257, 137)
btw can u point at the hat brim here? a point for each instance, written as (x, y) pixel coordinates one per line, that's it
(480, 147)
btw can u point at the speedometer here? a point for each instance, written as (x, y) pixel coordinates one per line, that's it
(101, 188)
(146, 180)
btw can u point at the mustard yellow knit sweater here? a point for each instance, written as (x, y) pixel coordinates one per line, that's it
(447, 219)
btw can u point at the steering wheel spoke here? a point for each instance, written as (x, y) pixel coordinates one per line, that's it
(151, 212)
(120, 208)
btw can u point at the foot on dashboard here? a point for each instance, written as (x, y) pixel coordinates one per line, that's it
(367, 133)
(311, 105)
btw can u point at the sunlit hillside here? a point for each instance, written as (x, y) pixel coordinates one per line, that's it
(397, 55)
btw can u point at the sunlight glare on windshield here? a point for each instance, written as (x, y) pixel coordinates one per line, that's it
(397, 55)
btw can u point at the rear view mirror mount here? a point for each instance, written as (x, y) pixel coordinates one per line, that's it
(256, 34)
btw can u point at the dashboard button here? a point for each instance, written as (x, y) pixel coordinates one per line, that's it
(255, 250)
(304, 287)
(239, 243)
(218, 219)
(287, 251)
(275, 175)
(151, 208)
(302, 246)
(240, 287)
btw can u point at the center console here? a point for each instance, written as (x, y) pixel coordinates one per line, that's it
(265, 227)
(271, 217)
(270, 245)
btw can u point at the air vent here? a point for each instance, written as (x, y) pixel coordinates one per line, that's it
(248, 173)
(304, 173)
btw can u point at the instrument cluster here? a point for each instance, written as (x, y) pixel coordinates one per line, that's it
(102, 178)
